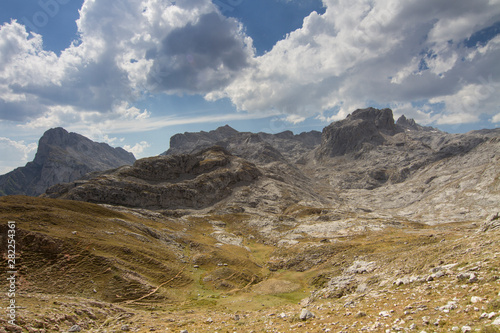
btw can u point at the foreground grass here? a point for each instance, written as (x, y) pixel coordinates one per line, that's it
(108, 270)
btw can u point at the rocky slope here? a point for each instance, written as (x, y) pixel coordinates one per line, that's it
(99, 268)
(408, 170)
(211, 178)
(165, 182)
(62, 157)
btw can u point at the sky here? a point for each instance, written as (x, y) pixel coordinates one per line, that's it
(132, 73)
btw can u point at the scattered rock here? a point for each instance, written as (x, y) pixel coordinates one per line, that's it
(488, 315)
(466, 329)
(75, 328)
(451, 305)
(469, 277)
(496, 322)
(305, 314)
(435, 276)
(13, 328)
(361, 267)
(476, 299)
(361, 314)
(384, 314)
(406, 280)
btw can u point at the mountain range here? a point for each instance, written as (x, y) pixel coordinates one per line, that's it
(367, 161)
(373, 224)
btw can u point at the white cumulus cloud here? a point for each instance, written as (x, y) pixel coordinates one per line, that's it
(367, 52)
(138, 148)
(14, 154)
(355, 54)
(125, 50)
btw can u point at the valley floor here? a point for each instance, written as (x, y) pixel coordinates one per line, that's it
(406, 278)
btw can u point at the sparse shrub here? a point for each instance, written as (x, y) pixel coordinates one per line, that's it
(320, 280)
(490, 329)
(494, 305)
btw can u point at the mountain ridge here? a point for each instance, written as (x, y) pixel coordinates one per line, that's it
(355, 162)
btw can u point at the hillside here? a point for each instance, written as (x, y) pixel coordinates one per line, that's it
(108, 268)
(62, 157)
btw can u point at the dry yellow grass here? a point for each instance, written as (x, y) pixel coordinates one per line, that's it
(107, 270)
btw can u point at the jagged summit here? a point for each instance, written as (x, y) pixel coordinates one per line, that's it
(411, 124)
(363, 128)
(405, 122)
(62, 157)
(383, 119)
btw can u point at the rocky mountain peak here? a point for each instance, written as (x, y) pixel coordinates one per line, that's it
(257, 147)
(76, 147)
(226, 131)
(405, 122)
(381, 119)
(411, 124)
(189, 142)
(364, 128)
(62, 157)
(58, 136)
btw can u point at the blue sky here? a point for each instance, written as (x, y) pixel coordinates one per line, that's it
(132, 73)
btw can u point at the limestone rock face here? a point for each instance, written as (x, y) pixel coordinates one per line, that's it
(165, 182)
(363, 129)
(62, 157)
(256, 147)
(190, 142)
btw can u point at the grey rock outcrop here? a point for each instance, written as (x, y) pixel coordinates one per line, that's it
(492, 223)
(62, 157)
(165, 182)
(411, 124)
